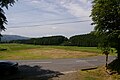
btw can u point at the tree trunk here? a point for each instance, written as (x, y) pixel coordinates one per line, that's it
(106, 61)
(0, 39)
(118, 49)
(118, 53)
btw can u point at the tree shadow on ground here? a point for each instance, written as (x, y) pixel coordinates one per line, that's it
(27, 72)
(114, 66)
(3, 49)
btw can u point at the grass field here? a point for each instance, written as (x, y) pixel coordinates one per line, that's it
(22, 51)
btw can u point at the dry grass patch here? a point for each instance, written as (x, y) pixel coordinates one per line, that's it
(46, 54)
(96, 74)
(25, 51)
(58, 53)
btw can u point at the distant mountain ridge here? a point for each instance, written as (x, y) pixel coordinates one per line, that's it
(12, 37)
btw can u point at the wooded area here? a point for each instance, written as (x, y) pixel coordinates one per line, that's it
(85, 40)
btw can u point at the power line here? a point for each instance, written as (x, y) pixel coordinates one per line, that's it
(49, 24)
(50, 20)
(24, 11)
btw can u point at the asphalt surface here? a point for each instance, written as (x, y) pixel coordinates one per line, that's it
(53, 68)
(67, 65)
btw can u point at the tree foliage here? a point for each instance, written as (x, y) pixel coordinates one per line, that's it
(106, 18)
(3, 19)
(51, 40)
(6, 3)
(84, 40)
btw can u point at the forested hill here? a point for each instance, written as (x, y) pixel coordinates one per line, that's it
(86, 40)
(12, 37)
(83, 40)
(51, 40)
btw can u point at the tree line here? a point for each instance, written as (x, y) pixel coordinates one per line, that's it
(85, 40)
(51, 40)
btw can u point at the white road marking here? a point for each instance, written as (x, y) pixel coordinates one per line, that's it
(67, 72)
(86, 60)
(92, 60)
(80, 61)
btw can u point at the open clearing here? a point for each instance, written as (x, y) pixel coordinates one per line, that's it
(32, 52)
(25, 52)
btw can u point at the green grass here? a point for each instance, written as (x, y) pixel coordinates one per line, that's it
(11, 47)
(25, 51)
(75, 48)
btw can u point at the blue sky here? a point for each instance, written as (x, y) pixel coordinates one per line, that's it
(38, 18)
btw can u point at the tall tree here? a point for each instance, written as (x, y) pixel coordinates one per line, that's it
(3, 20)
(106, 18)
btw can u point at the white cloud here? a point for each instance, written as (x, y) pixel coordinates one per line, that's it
(54, 27)
(84, 1)
(76, 8)
(35, 11)
(63, 29)
(35, 1)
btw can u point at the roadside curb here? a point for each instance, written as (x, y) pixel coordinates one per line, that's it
(89, 68)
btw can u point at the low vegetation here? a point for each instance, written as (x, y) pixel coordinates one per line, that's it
(25, 51)
(98, 74)
(94, 74)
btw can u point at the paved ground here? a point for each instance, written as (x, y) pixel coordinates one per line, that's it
(63, 65)
(51, 68)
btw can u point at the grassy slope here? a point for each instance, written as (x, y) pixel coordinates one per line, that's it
(98, 74)
(22, 51)
(95, 74)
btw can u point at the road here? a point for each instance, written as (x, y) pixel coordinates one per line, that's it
(67, 65)
(51, 68)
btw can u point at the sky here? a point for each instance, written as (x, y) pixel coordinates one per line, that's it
(38, 18)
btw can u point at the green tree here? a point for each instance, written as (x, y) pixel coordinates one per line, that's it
(3, 20)
(106, 18)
